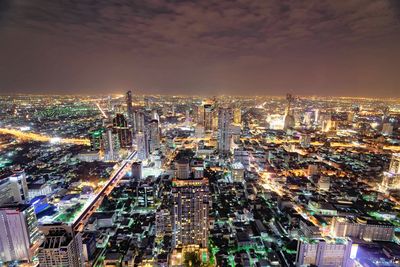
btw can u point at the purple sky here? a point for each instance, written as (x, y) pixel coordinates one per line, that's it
(243, 47)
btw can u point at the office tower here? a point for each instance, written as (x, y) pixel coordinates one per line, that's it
(13, 189)
(19, 233)
(182, 169)
(313, 169)
(387, 129)
(391, 178)
(207, 117)
(145, 195)
(305, 140)
(190, 212)
(197, 168)
(137, 170)
(224, 134)
(120, 126)
(320, 252)
(289, 121)
(154, 135)
(96, 137)
(111, 144)
(237, 116)
(61, 248)
(155, 116)
(362, 228)
(142, 146)
(129, 107)
(139, 122)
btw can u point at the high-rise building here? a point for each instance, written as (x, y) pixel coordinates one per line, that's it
(139, 122)
(238, 172)
(305, 140)
(190, 212)
(320, 252)
(142, 146)
(237, 116)
(154, 135)
(289, 121)
(61, 248)
(19, 233)
(129, 107)
(96, 137)
(387, 129)
(145, 195)
(120, 126)
(224, 133)
(324, 183)
(207, 117)
(14, 189)
(391, 178)
(111, 144)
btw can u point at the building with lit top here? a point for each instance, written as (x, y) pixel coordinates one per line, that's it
(391, 178)
(190, 212)
(224, 135)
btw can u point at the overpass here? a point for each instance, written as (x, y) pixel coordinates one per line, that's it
(124, 166)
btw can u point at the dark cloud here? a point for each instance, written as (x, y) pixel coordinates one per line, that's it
(310, 47)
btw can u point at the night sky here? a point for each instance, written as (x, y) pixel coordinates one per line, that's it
(314, 47)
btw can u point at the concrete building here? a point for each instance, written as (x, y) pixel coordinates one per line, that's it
(225, 116)
(190, 212)
(237, 172)
(13, 188)
(391, 178)
(19, 233)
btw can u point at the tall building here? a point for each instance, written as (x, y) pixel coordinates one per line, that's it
(142, 146)
(190, 212)
(154, 135)
(207, 117)
(96, 137)
(324, 253)
(129, 107)
(137, 170)
(387, 129)
(120, 126)
(139, 122)
(14, 189)
(61, 248)
(224, 133)
(305, 140)
(19, 233)
(237, 116)
(289, 121)
(111, 144)
(182, 169)
(145, 195)
(391, 178)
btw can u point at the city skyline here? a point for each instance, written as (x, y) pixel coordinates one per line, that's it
(321, 48)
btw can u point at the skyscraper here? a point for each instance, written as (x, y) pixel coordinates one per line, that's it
(224, 134)
(391, 178)
(142, 146)
(154, 135)
(111, 144)
(237, 115)
(120, 126)
(19, 233)
(129, 107)
(190, 212)
(207, 117)
(289, 121)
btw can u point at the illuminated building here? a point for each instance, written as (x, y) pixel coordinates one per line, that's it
(142, 146)
(154, 135)
(19, 233)
(237, 172)
(13, 189)
(61, 248)
(362, 228)
(237, 116)
(139, 122)
(224, 134)
(207, 117)
(129, 107)
(95, 137)
(326, 253)
(190, 212)
(324, 183)
(391, 178)
(145, 195)
(120, 126)
(111, 144)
